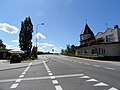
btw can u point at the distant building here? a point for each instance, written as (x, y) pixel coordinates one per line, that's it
(4, 54)
(105, 45)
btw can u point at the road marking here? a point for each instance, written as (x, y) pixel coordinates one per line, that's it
(30, 64)
(27, 69)
(58, 87)
(92, 80)
(47, 68)
(14, 85)
(85, 77)
(96, 65)
(18, 80)
(55, 81)
(100, 84)
(24, 73)
(52, 77)
(109, 68)
(50, 73)
(71, 75)
(113, 88)
(45, 77)
(21, 76)
(87, 64)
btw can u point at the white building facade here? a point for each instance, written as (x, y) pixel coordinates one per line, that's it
(105, 45)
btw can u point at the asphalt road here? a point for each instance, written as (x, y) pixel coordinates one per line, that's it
(62, 73)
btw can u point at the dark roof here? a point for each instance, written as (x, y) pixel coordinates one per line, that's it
(87, 30)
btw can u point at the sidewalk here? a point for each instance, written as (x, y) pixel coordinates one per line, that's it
(117, 63)
(5, 64)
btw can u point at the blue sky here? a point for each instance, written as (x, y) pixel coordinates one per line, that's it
(64, 20)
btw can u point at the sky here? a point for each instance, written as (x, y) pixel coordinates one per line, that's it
(63, 20)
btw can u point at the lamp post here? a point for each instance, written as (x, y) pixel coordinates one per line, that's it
(36, 34)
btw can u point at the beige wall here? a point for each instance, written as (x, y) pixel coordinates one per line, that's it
(110, 50)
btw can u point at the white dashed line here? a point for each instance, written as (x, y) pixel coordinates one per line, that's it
(58, 87)
(24, 73)
(18, 80)
(14, 85)
(30, 64)
(55, 81)
(50, 73)
(21, 76)
(27, 69)
(47, 69)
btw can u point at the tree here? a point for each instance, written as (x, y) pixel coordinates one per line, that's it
(34, 52)
(70, 50)
(25, 35)
(2, 46)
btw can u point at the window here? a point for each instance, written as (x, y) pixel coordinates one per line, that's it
(101, 51)
(109, 38)
(94, 51)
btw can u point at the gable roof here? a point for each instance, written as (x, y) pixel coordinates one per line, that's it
(87, 30)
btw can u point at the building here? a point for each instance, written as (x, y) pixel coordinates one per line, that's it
(4, 54)
(105, 45)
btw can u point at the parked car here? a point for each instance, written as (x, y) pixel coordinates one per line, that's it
(16, 58)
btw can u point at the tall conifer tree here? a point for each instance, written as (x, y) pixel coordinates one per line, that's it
(25, 35)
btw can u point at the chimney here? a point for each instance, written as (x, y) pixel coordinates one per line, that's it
(116, 26)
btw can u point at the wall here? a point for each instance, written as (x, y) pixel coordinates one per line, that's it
(108, 50)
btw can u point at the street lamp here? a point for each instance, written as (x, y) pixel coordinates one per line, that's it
(36, 33)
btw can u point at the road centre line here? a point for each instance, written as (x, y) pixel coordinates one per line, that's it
(24, 73)
(54, 81)
(21, 76)
(49, 71)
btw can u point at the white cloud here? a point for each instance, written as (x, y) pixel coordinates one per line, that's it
(15, 41)
(40, 36)
(8, 46)
(46, 45)
(8, 28)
